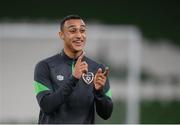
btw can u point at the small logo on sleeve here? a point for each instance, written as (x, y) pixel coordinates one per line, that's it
(60, 77)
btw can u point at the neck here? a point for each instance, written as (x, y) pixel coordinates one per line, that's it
(72, 54)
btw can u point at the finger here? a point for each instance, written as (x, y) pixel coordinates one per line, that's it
(100, 82)
(83, 67)
(98, 77)
(84, 70)
(83, 63)
(97, 86)
(97, 83)
(106, 72)
(101, 76)
(80, 57)
(86, 65)
(99, 71)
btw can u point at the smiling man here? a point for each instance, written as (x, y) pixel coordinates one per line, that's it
(70, 87)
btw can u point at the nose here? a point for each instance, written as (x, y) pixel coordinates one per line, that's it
(78, 35)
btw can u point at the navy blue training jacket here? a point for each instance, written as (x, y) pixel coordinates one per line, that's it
(63, 98)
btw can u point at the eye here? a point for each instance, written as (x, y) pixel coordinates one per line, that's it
(82, 30)
(73, 30)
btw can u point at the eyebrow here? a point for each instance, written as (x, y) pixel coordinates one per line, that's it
(75, 26)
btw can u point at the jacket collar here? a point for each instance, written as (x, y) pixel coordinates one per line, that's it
(67, 58)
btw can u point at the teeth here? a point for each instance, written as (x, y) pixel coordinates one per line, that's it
(78, 41)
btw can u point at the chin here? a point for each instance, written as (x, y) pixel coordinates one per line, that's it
(78, 49)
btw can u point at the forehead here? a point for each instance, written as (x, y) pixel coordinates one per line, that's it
(74, 23)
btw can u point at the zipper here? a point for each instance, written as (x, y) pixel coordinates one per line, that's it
(72, 66)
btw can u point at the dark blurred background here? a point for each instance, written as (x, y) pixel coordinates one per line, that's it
(155, 18)
(158, 22)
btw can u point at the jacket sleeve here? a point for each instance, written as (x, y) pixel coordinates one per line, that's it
(48, 99)
(103, 101)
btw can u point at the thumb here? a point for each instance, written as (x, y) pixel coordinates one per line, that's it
(106, 72)
(99, 70)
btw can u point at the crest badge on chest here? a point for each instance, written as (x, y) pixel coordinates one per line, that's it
(88, 78)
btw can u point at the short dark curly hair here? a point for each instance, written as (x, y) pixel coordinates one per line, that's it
(68, 18)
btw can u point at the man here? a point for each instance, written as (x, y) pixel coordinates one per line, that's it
(69, 86)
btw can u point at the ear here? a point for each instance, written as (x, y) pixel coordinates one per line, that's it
(61, 35)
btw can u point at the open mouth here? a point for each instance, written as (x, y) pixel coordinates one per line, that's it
(78, 42)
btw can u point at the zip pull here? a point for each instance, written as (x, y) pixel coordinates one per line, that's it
(72, 66)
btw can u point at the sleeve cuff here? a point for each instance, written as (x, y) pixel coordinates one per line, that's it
(99, 93)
